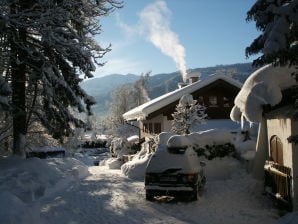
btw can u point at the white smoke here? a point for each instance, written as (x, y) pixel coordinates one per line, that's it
(155, 25)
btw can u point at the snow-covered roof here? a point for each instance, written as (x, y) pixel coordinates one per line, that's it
(142, 111)
(263, 87)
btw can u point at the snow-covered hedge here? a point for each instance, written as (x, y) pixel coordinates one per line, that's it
(210, 144)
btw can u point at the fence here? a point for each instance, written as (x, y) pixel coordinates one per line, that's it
(278, 182)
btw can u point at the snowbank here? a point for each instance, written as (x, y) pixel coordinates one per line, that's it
(290, 218)
(30, 179)
(263, 87)
(13, 210)
(112, 163)
(136, 168)
(24, 181)
(221, 168)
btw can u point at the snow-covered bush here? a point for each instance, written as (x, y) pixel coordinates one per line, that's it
(212, 151)
(121, 146)
(116, 145)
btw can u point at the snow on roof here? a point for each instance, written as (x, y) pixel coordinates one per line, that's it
(142, 111)
(263, 87)
(133, 138)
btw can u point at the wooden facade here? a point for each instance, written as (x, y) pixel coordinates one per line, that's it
(218, 97)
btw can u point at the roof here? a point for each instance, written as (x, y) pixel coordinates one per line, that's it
(263, 87)
(142, 111)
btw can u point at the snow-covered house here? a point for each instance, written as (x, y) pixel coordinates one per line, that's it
(267, 98)
(216, 92)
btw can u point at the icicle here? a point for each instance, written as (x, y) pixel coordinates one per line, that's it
(242, 121)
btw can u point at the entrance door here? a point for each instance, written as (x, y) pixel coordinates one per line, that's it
(276, 150)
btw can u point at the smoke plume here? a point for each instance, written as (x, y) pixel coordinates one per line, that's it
(155, 25)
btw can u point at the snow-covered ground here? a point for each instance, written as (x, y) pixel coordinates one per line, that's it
(66, 190)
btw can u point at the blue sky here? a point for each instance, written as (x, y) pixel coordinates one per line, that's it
(163, 36)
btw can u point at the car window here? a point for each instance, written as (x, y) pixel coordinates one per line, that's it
(177, 150)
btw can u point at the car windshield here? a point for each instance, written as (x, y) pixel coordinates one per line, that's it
(177, 150)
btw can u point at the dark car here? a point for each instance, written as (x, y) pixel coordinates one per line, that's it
(174, 171)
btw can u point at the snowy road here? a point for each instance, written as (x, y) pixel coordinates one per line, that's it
(107, 196)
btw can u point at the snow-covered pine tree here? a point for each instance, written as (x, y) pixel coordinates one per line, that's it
(278, 42)
(46, 46)
(188, 112)
(278, 23)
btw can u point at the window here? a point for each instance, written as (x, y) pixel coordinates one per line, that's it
(201, 100)
(157, 128)
(226, 102)
(212, 101)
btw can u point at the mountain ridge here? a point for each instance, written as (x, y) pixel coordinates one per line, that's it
(102, 87)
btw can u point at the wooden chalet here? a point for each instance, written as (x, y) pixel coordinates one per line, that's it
(216, 92)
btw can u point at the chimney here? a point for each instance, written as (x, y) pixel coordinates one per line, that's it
(182, 84)
(193, 77)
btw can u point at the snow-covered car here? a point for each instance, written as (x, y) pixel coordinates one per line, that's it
(174, 170)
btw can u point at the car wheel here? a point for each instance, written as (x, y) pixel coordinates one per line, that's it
(195, 195)
(149, 196)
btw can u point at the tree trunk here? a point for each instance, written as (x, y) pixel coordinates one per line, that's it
(18, 84)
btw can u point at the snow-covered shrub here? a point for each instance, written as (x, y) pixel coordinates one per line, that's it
(116, 145)
(212, 143)
(120, 146)
(213, 151)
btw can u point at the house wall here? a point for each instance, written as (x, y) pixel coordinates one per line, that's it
(160, 119)
(224, 93)
(295, 165)
(283, 127)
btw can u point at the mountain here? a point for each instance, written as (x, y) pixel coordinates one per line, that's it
(101, 88)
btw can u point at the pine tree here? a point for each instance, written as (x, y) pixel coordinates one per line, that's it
(188, 112)
(278, 22)
(46, 47)
(278, 42)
